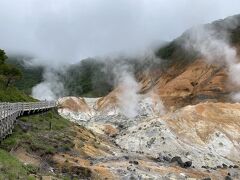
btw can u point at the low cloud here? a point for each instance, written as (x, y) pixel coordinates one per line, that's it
(60, 31)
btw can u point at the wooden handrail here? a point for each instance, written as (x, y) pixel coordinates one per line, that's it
(10, 111)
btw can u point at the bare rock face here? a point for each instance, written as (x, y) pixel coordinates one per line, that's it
(74, 104)
(180, 85)
(194, 83)
(207, 134)
(186, 125)
(75, 108)
(203, 136)
(188, 84)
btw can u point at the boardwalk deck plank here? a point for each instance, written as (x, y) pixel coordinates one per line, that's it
(9, 112)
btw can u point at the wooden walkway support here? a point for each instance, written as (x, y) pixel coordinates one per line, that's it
(10, 111)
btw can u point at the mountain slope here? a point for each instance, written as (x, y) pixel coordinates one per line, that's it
(187, 125)
(185, 76)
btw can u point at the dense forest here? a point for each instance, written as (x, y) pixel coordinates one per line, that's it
(90, 77)
(9, 76)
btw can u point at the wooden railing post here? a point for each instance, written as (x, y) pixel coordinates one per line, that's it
(10, 111)
(1, 109)
(7, 117)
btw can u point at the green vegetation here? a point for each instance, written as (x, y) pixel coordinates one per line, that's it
(167, 51)
(12, 94)
(89, 78)
(235, 35)
(9, 74)
(31, 76)
(42, 134)
(11, 168)
(175, 53)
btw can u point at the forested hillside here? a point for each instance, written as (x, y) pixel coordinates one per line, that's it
(9, 76)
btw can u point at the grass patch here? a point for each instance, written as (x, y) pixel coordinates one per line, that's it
(39, 134)
(12, 94)
(11, 168)
(42, 134)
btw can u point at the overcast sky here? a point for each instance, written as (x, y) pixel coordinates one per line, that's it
(68, 30)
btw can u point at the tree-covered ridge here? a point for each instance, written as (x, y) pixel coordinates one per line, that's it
(90, 77)
(9, 75)
(30, 75)
(86, 78)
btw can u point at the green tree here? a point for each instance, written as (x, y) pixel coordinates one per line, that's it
(3, 57)
(9, 74)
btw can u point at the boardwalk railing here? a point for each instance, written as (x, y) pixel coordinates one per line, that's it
(10, 111)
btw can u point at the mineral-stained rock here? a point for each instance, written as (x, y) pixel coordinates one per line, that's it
(190, 84)
(211, 139)
(195, 133)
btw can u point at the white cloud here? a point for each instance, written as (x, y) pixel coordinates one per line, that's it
(67, 31)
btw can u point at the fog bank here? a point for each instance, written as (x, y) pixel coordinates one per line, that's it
(60, 31)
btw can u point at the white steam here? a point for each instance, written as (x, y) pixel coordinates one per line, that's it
(215, 48)
(132, 104)
(66, 31)
(50, 89)
(128, 98)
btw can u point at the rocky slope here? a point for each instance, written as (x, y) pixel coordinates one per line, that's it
(192, 141)
(187, 125)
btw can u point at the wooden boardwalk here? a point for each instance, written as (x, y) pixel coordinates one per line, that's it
(10, 111)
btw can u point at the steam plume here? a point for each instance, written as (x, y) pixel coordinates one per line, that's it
(128, 97)
(66, 31)
(215, 47)
(50, 89)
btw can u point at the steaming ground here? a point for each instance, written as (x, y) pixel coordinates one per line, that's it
(192, 133)
(215, 46)
(51, 88)
(59, 33)
(195, 135)
(212, 43)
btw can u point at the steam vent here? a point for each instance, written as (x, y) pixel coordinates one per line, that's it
(125, 90)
